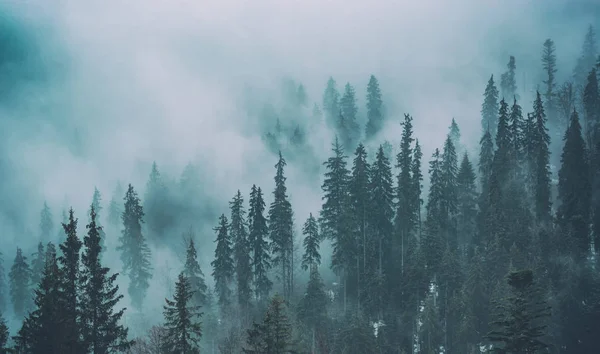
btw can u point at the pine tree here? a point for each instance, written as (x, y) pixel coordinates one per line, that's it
(281, 228)
(519, 325)
(223, 266)
(508, 83)
(432, 242)
(517, 139)
(587, 60)
(331, 102)
(405, 220)
(549, 66)
(135, 253)
(257, 236)
(541, 175)
(416, 186)
(97, 205)
(454, 133)
(591, 106)
(155, 205)
(194, 274)
(466, 197)
(348, 110)
(241, 251)
(37, 265)
(3, 335)
(573, 188)
(20, 276)
(311, 257)
(101, 331)
(3, 292)
(374, 109)
(312, 308)
(449, 202)
(274, 334)
(46, 224)
(489, 108)
(182, 325)
(115, 207)
(69, 275)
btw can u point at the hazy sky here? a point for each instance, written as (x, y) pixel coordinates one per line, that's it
(163, 80)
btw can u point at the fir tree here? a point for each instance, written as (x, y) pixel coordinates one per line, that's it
(155, 205)
(194, 274)
(348, 110)
(432, 242)
(486, 158)
(182, 326)
(97, 205)
(281, 228)
(312, 308)
(454, 133)
(135, 253)
(587, 60)
(573, 188)
(517, 139)
(405, 218)
(549, 66)
(223, 266)
(449, 202)
(331, 102)
(3, 336)
(3, 292)
(311, 257)
(416, 186)
(374, 109)
(241, 251)
(115, 207)
(37, 265)
(101, 331)
(46, 223)
(489, 108)
(591, 106)
(541, 162)
(258, 233)
(508, 82)
(519, 325)
(466, 197)
(20, 277)
(274, 334)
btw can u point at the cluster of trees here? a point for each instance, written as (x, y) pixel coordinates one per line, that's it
(500, 253)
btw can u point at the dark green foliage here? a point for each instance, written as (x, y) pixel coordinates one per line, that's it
(135, 253)
(3, 336)
(310, 230)
(274, 334)
(449, 201)
(238, 233)
(591, 106)
(550, 95)
(405, 214)
(508, 83)
(37, 265)
(489, 108)
(194, 274)
(516, 126)
(432, 242)
(541, 162)
(348, 109)
(19, 277)
(101, 330)
(257, 236)
(466, 199)
(182, 326)
(312, 309)
(519, 326)
(223, 266)
(573, 189)
(3, 289)
(375, 117)
(97, 205)
(281, 229)
(46, 224)
(355, 335)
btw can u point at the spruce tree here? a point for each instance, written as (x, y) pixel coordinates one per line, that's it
(416, 186)
(349, 109)
(115, 207)
(20, 277)
(449, 202)
(258, 233)
(97, 205)
(135, 253)
(194, 274)
(46, 224)
(274, 334)
(433, 243)
(454, 133)
(37, 265)
(238, 233)
(486, 158)
(541, 162)
(281, 228)
(466, 197)
(549, 66)
(489, 108)
(374, 109)
(312, 308)
(183, 329)
(591, 106)
(405, 218)
(587, 59)
(69, 276)
(4, 335)
(101, 331)
(3, 292)
(223, 266)
(156, 205)
(519, 327)
(311, 257)
(517, 139)
(331, 102)
(508, 82)
(573, 189)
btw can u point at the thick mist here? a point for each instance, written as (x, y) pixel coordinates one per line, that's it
(91, 93)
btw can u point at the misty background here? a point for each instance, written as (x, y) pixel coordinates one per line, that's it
(92, 93)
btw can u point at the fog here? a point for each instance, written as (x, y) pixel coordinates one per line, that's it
(92, 92)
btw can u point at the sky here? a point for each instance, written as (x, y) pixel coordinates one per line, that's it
(91, 92)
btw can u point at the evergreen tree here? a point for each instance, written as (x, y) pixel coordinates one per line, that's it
(416, 186)
(182, 327)
(449, 202)
(466, 197)
(46, 223)
(331, 102)
(516, 128)
(573, 188)
(3, 292)
(519, 325)
(37, 265)
(489, 108)
(311, 257)
(486, 158)
(223, 266)
(135, 253)
(587, 60)
(155, 205)
(508, 82)
(312, 308)
(258, 233)
(20, 277)
(274, 334)
(69, 275)
(101, 331)
(348, 110)
(3, 336)
(194, 274)
(115, 207)
(591, 106)
(549, 66)
(454, 133)
(405, 217)
(374, 109)
(541, 162)
(241, 251)
(432, 242)
(281, 228)
(97, 205)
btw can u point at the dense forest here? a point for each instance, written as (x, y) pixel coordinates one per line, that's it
(488, 250)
